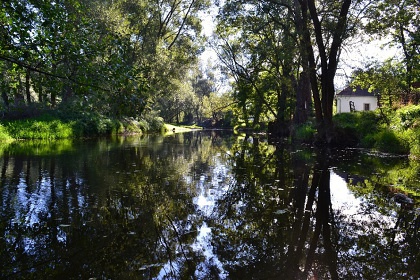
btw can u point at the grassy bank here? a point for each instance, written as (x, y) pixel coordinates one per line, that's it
(50, 127)
(390, 131)
(4, 135)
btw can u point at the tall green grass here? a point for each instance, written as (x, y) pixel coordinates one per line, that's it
(40, 128)
(51, 127)
(4, 135)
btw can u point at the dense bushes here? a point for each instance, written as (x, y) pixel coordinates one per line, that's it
(4, 135)
(363, 123)
(387, 131)
(406, 124)
(304, 133)
(408, 117)
(387, 140)
(390, 131)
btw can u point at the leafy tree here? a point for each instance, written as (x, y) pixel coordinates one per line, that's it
(60, 47)
(257, 48)
(399, 22)
(259, 42)
(383, 78)
(179, 106)
(110, 57)
(331, 23)
(165, 36)
(218, 108)
(204, 84)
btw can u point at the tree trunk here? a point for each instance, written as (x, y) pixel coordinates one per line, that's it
(28, 86)
(303, 89)
(328, 55)
(19, 99)
(67, 92)
(53, 99)
(4, 95)
(40, 95)
(303, 99)
(307, 54)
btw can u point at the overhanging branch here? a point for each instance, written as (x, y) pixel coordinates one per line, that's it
(46, 73)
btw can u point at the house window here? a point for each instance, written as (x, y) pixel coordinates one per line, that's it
(366, 106)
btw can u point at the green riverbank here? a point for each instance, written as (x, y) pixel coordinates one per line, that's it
(393, 131)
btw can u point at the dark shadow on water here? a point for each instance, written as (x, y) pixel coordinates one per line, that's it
(319, 234)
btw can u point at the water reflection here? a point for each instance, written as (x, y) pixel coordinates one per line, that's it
(203, 205)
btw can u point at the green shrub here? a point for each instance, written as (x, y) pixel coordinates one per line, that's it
(304, 133)
(117, 127)
(345, 120)
(362, 123)
(408, 117)
(391, 131)
(132, 126)
(143, 125)
(4, 136)
(415, 151)
(95, 125)
(156, 124)
(368, 141)
(406, 124)
(151, 122)
(388, 141)
(412, 137)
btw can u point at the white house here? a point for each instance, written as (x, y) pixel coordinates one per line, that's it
(356, 99)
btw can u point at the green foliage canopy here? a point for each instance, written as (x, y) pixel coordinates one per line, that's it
(111, 57)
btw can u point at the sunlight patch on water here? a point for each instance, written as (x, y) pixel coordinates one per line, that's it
(356, 211)
(341, 197)
(203, 244)
(347, 203)
(209, 191)
(210, 187)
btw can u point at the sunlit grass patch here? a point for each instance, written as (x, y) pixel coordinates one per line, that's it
(4, 135)
(169, 128)
(40, 128)
(304, 133)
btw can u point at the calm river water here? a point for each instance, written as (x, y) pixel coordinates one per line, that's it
(205, 205)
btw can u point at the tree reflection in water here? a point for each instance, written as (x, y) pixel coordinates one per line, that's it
(200, 205)
(278, 219)
(274, 221)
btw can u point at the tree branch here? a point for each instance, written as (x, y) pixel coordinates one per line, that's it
(35, 69)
